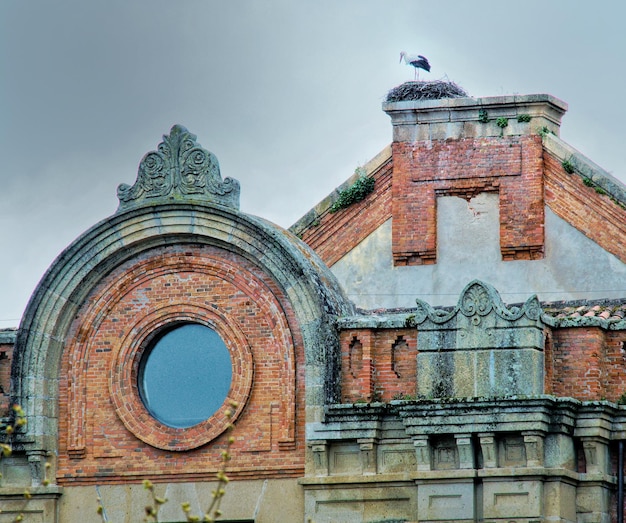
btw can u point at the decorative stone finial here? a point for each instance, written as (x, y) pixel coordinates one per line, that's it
(180, 170)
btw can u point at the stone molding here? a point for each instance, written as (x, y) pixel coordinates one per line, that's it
(584, 167)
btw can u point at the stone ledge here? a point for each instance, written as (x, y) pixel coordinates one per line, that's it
(51, 491)
(516, 473)
(7, 336)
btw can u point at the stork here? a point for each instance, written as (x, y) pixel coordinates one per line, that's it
(418, 61)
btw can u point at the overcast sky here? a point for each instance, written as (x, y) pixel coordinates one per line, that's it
(286, 94)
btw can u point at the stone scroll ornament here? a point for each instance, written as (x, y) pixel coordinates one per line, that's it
(180, 170)
(478, 298)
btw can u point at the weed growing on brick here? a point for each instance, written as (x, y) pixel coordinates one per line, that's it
(355, 193)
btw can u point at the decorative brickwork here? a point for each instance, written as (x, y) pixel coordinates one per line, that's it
(388, 366)
(586, 363)
(102, 441)
(427, 169)
(6, 355)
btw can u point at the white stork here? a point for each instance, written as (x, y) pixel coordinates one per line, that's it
(416, 60)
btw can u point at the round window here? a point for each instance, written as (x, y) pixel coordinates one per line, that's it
(185, 375)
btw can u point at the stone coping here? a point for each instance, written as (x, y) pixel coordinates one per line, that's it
(493, 116)
(584, 167)
(485, 101)
(323, 207)
(7, 336)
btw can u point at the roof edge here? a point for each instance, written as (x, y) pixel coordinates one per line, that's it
(584, 167)
(312, 216)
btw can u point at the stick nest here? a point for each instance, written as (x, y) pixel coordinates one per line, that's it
(425, 91)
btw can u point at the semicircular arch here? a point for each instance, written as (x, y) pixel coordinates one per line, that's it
(308, 284)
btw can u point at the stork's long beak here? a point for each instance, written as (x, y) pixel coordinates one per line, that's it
(400, 58)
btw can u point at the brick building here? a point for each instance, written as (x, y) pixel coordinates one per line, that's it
(449, 348)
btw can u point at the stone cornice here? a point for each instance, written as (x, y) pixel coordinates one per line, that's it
(473, 117)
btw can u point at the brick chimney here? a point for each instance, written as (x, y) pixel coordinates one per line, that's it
(462, 147)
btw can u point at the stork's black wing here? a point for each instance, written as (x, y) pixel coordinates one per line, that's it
(421, 62)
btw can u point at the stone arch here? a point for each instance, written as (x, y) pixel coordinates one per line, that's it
(309, 285)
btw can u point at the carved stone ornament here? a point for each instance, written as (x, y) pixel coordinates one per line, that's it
(180, 170)
(479, 299)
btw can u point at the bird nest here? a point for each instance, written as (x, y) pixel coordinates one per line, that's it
(425, 91)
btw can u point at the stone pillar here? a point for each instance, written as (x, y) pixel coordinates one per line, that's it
(596, 454)
(37, 462)
(368, 455)
(423, 452)
(465, 448)
(489, 449)
(320, 457)
(533, 441)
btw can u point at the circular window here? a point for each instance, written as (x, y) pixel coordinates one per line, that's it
(191, 393)
(185, 375)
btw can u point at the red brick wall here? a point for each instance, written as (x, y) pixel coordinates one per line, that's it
(589, 363)
(422, 171)
(96, 446)
(595, 215)
(578, 363)
(338, 233)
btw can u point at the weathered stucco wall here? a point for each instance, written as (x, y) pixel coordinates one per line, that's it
(574, 267)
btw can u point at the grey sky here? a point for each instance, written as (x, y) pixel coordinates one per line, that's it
(286, 94)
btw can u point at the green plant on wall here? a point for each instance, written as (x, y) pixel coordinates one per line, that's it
(523, 118)
(543, 131)
(355, 193)
(568, 166)
(502, 122)
(483, 117)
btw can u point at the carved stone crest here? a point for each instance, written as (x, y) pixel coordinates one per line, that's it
(480, 347)
(180, 170)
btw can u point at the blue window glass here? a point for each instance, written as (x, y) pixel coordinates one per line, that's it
(185, 375)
